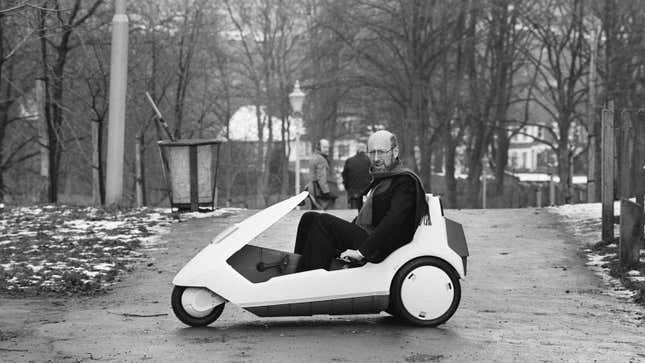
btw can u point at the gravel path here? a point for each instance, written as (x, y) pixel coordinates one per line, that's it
(528, 297)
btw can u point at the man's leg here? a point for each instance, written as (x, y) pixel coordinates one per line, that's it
(303, 231)
(327, 237)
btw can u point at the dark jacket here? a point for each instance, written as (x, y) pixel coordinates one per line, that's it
(396, 213)
(356, 174)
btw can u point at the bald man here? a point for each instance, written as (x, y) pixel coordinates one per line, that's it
(394, 206)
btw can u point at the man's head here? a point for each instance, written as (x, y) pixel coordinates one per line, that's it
(361, 148)
(323, 145)
(383, 150)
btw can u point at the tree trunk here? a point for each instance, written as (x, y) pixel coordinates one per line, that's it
(473, 184)
(260, 158)
(284, 164)
(96, 162)
(138, 187)
(4, 107)
(564, 171)
(449, 162)
(501, 159)
(139, 167)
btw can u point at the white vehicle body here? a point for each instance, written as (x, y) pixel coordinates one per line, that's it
(288, 294)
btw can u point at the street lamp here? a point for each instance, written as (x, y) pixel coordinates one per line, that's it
(116, 108)
(297, 97)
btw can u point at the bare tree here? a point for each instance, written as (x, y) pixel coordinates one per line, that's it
(560, 35)
(14, 37)
(267, 38)
(55, 31)
(396, 47)
(189, 32)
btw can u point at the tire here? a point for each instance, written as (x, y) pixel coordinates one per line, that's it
(425, 292)
(204, 317)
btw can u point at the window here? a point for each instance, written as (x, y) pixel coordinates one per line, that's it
(343, 151)
(514, 160)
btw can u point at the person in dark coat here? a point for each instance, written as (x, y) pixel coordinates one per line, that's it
(356, 177)
(392, 211)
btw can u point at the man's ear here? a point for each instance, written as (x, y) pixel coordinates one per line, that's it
(395, 152)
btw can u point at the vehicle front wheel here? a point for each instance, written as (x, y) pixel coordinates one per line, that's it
(194, 306)
(425, 291)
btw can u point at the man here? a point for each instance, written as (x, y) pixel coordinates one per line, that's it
(356, 177)
(322, 184)
(393, 209)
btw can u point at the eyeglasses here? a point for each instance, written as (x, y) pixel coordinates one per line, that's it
(373, 154)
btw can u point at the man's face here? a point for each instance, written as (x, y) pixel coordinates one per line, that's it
(381, 153)
(324, 147)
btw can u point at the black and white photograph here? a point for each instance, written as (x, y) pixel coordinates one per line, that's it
(322, 181)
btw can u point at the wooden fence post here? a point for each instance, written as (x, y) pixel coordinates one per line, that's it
(626, 156)
(607, 169)
(551, 191)
(639, 163)
(538, 197)
(631, 233)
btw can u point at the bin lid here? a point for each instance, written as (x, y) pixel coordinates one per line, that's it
(189, 142)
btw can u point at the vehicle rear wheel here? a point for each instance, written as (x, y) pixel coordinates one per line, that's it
(194, 305)
(425, 292)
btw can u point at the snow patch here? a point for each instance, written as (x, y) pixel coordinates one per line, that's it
(35, 268)
(215, 213)
(585, 221)
(104, 266)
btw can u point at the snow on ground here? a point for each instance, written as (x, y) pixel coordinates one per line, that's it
(63, 249)
(584, 220)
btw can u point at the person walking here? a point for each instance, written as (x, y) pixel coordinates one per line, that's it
(322, 183)
(356, 177)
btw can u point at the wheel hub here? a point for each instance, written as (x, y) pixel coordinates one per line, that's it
(427, 292)
(199, 302)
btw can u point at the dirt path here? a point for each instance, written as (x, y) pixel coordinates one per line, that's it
(528, 296)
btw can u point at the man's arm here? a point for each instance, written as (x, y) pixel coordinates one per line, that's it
(402, 209)
(344, 174)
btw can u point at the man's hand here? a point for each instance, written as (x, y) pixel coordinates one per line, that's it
(352, 255)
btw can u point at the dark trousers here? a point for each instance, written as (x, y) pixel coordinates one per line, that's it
(321, 237)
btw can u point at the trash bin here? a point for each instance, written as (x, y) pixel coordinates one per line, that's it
(189, 172)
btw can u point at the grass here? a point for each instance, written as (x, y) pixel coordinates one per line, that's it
(64, 250)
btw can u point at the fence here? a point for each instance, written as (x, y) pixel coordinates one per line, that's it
(623, 177)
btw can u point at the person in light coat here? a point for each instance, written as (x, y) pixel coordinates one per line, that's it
(322, 183)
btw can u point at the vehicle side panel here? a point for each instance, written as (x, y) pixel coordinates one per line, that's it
(358, 305)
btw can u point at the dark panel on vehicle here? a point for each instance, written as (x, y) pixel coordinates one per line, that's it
(259, 264)
(456, 237)
(348, 306)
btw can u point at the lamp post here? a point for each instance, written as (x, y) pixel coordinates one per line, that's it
(116, 112)
(296, 98)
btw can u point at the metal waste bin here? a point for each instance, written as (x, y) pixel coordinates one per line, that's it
(189, 172)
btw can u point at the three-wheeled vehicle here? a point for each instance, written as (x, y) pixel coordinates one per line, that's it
(419, 282)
